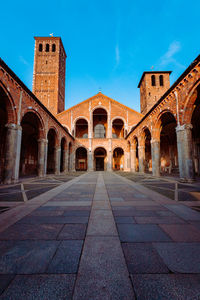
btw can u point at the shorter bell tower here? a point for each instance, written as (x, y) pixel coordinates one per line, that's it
(152, 86)
(49, 73)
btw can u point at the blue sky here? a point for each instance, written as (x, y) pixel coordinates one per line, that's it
(109, 43)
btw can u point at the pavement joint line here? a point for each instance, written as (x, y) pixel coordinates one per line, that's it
(11, 216)
(23, 193)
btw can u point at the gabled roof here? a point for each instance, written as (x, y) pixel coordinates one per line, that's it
(104, 96)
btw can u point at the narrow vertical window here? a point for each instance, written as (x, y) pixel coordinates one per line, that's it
(161, 80)
(40, 47)
(47, 47)
(153, 80)
(54, 48)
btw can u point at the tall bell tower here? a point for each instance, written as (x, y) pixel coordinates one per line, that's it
(49, 73)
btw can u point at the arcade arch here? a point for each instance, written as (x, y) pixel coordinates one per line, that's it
(81, 128)
(99, 123)
(117, 128)
(118, 159)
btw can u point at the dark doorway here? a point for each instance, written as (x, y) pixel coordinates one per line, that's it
(99, 163)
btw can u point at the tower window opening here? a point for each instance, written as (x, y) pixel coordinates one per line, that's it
(153, 80)
(161, 80)
(46, 62)
(40, 47)
(47, 47)
(54, 48)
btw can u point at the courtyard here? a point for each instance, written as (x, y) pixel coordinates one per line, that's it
(100, 235)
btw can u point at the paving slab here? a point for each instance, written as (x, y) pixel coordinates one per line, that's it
(166, 286)
(26, 257)
(102, 272)
(159, 220)
(180, 257)
(31, 232)
(124, 220)
(53, 220)
(66, 259)
(141, 233)
(142, 258)
(48, 287)
(5, 281)
(184, 212)
(73, 232)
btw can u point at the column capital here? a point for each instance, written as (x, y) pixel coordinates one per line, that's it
(184, 127)
(13, 126)
(42, 140)
(153, 141)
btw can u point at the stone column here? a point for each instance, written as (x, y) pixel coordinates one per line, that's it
(41, 157)
(141, 152)
(45, 156)
(12, 153)
(57, 152)
(184, 146)
(65, 162)
(90, 161)
(155, 156)
(133, 158)
(109, 164)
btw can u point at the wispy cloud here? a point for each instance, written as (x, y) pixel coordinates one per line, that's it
(23, 60)
(169, 58)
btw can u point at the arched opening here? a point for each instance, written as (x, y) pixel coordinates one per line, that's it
(47, 47)
(31, 127)
(161, 80)
(40, 47)
(81, 129)
(135, 153)
(62, 154)
(153, 80)
(51, 153)
(148, 159)
(81, 159)
(118, 159)
(195, 121)
(117, 129)
(99, 123)
(69, 157)
(54, 48)
(100, 159)
(168, 144)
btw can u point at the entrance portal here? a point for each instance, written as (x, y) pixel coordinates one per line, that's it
(99, 159)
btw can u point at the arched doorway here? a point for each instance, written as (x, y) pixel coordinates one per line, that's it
(81, 159)
(195, 121)
(99, 123)
(118, 159)
(81, 129)
(135, 157)
(62, 154)
(117, 129)
(100, 159)
(51, 154)
(168, 144)
(148, 159)
(31, 127)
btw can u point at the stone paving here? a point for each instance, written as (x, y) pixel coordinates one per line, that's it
(100, 236)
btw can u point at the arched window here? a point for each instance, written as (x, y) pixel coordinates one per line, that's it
(99, 131)
(153, 80)
(40, 47)
(161, 80)
(54, 48)
(47, 47)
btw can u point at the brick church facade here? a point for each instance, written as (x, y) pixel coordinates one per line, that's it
(39, 137)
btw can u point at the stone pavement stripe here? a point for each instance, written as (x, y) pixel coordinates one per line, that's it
(102, 272)
(13, 215)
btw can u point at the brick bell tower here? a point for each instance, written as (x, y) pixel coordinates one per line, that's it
(49, 73)
(152, 86)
